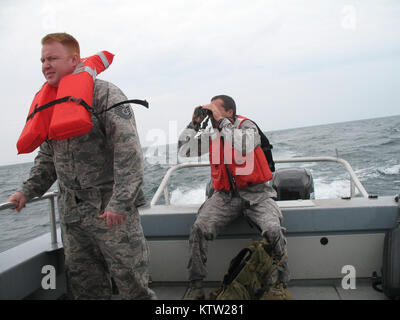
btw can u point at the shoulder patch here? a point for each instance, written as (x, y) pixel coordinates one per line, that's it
(124, 111)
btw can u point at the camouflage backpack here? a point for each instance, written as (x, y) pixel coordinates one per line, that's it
(249, 276)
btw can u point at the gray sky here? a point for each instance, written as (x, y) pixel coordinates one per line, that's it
(286, 63)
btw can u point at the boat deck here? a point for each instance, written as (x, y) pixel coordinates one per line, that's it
(299, 291)
(323, 237)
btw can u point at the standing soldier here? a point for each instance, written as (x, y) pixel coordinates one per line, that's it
(233, 146)
(100, 176)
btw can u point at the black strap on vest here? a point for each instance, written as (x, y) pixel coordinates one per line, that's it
(144, 103)
(61, 100)
(84, 104)
(266, 148)
(235, 192)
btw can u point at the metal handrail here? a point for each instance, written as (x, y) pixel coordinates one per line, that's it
(52, 213)
(163, 187)
(354, 181)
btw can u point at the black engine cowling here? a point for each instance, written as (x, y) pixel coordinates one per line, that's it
(293, 184)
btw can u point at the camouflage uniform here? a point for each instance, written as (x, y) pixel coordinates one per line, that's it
(222, 208)
(96, 172)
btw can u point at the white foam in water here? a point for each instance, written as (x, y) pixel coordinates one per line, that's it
(367, 173)
(322, 190)
(188, 197)
(391, 170)
(335, 189)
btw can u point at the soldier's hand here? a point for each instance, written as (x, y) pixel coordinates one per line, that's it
(196, 114)
(113, 219)
(197, 117)
(19, 199)
(217, 114)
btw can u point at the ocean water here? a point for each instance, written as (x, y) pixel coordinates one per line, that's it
(372, 147)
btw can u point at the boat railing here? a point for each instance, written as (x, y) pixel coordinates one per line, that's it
(163, 187)
(52, 213)
(354, 181)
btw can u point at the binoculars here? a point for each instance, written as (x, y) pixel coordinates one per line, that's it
(199, 115)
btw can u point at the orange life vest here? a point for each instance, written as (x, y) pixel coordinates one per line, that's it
(63, 112)
(247, 170)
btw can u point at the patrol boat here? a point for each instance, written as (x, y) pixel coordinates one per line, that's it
(334, 245)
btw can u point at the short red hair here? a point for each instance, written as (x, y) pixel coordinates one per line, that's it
(65, 39)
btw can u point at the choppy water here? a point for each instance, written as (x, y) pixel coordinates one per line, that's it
(372, 147)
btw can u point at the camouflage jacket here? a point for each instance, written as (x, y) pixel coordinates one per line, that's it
(102, 169)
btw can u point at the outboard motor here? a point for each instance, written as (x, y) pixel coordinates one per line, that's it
(293, 184)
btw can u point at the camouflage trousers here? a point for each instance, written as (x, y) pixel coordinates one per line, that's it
(219, 211)
(94, 253)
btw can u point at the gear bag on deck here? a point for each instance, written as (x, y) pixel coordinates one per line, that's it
(249, 275)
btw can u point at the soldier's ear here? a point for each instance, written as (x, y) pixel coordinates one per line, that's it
(75, 59)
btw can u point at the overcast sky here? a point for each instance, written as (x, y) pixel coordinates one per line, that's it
(287, 64)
